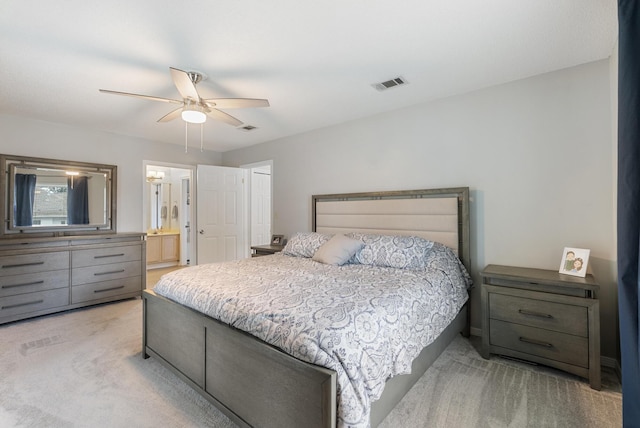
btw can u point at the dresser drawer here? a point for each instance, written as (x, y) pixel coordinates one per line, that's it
(539, 313)
(85, 275)
(99, 290)
(32, 302)
(28, 283)
(555, 346)
(103, 256)
(30, 263)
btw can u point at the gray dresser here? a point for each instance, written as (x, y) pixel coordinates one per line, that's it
(40, 276)
(544, 317)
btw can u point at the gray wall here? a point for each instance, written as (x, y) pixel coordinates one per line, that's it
(27, 137)
(536, 154)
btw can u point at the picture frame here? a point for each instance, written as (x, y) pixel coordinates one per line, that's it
(574, 261)
(277, 239)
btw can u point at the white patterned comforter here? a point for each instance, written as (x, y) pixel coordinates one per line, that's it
(367, 323)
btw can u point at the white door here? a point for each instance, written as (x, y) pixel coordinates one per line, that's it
(261, 206)
(221, 214)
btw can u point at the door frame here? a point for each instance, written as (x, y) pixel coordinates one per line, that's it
(145, 197)
(250, 167)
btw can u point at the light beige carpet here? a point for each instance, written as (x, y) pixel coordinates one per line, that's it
(84, 369)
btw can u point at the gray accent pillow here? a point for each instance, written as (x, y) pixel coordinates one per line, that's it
(404, 252)
(337, 250)
(304, 244)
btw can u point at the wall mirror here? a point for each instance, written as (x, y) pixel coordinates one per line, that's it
(54, 197)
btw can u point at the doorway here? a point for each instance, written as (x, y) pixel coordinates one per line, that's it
(168, 215)
(260, 201)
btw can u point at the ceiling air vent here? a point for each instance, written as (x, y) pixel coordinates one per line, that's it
(382, 86)
(247, 128)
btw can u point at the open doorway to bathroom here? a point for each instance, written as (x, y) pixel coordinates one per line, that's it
(168, 216)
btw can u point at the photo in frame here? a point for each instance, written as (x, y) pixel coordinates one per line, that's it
(277, 239)
(574, 261)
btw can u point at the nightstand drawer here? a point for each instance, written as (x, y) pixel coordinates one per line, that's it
(555, 346)
(539, 313)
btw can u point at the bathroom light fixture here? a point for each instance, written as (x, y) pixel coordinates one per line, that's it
(193, 113)
(154, 175)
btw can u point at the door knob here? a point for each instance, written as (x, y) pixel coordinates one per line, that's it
(201, 231)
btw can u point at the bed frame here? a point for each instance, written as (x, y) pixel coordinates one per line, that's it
(256, 384)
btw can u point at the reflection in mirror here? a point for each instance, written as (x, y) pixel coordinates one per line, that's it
(53, 197)
(43, 194)
(164, 208)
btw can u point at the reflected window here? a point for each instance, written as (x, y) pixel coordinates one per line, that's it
(50, 205)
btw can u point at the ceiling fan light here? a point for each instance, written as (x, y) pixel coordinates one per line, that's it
(193, 115)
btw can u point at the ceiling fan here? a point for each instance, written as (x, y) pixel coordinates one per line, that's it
(193, 108)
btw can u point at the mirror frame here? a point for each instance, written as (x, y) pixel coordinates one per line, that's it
(9, 162)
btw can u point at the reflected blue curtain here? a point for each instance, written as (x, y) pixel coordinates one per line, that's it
(77, 200)
(25, 192)
(629, 206)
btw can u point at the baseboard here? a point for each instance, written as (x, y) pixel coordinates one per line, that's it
(608, 362)
(475, 331)
(612, 363)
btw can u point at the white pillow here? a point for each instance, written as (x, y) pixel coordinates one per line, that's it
(337, 250)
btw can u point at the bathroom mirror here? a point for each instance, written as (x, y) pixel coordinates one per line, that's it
(55, 197)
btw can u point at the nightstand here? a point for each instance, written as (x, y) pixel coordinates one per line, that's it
(265, 250)
(544, 317)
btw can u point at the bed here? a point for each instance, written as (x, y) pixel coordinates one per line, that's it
(253, 380)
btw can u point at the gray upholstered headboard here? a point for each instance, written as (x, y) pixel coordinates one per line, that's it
(440, 215)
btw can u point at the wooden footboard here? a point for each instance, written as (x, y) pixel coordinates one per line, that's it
(250, 381)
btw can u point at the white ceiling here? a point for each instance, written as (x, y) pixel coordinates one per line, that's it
(314, 60)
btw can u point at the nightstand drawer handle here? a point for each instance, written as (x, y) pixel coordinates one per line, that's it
(535, 342)
(535, 314)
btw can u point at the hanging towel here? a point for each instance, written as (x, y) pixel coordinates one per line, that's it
(163, 212)
(174, 211)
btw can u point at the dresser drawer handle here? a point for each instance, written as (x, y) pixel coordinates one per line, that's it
(108, 255)
(108, 273)
(23, 285)
(535, 342)
(35, 302)
(22, 265)
(108, 289)
(535, 314)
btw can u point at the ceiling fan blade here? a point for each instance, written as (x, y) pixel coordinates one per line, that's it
(222, 116)
(174, 114)
(184, 84)
(236, 102)
(146, 97)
